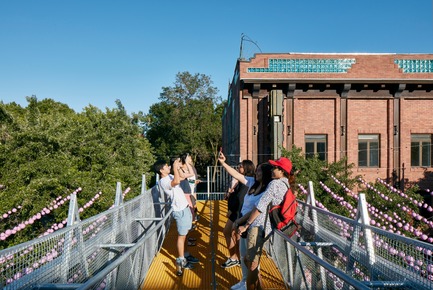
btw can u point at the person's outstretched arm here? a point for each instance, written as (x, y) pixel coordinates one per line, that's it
(176, 180)
(233, 172)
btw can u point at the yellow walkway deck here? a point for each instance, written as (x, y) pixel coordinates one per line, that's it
(212, 252)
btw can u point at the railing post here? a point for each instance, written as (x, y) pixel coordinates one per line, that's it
(161, 193)
(73, 218)
(312, 200)
(112, 278)
(296, 284)
(363, 218)
(208, 182)
(143, 184)
(119, 198)
(143, 192)
(73, 211)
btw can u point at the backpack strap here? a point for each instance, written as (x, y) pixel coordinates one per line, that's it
(288, 187)
(294, 200)
(268, 209)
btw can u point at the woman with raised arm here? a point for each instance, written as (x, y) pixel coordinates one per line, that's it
(258, 231)
(188, 184)
(263, 175)
(245, 179)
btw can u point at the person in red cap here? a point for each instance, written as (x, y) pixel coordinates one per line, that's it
(258, 231)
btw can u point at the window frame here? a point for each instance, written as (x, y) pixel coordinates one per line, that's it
(420, 139)
(315, 139)
(369, 139)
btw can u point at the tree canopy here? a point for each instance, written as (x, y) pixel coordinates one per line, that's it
(186, 120)
(47, 150)
(337, 189)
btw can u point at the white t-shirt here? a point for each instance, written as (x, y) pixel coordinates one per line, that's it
(174, 194)
(191, 181)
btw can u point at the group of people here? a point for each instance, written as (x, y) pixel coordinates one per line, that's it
(247, 227)
(178, 181)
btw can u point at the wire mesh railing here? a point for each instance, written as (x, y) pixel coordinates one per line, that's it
(335, 252)
(114, 250)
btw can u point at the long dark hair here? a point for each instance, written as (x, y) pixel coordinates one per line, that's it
(260, 185)
(183, 158)
(249, 168)
(292, 179)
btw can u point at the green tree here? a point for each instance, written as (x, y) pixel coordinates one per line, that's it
(316, 170)
(47, 150)
(187, 119)
(382, 199)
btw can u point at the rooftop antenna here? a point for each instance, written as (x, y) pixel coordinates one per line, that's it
(245, 37)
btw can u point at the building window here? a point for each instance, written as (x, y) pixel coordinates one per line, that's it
(315, 145)
(421, 150)
(368, 150)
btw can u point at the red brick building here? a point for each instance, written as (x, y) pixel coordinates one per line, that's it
(376, 109)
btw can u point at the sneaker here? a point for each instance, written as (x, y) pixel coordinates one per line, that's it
(241, 285)
(230, 263)
(182, 264)
(191, 259)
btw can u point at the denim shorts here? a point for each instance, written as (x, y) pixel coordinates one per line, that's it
(183, 220)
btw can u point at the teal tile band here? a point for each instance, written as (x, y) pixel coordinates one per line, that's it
(331, 65)
(415, 65)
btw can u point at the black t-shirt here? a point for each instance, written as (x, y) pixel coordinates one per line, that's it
(236, 200)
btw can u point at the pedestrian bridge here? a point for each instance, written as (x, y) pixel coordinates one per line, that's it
(211, 250)
(132, 246)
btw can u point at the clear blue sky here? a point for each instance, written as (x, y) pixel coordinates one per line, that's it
(93, 52)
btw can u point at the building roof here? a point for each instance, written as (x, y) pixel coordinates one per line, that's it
(329, 67)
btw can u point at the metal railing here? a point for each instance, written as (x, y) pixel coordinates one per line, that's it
(335, 252)
(114, 250)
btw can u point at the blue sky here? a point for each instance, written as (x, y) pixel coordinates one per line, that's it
(94, 52)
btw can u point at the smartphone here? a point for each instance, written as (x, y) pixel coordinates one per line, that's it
(221, 151)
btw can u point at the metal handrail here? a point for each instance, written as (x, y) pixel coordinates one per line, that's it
(113, 265)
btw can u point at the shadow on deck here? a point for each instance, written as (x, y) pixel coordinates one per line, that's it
(212, 252)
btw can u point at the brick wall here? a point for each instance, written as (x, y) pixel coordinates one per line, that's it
(315, 116)
(369, 117)
(371, 88)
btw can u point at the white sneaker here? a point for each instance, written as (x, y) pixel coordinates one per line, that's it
(239, 286)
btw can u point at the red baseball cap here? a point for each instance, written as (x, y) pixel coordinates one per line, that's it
(282, 162)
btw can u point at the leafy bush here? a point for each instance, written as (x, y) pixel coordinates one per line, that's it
(47, 151)
(389, 208)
